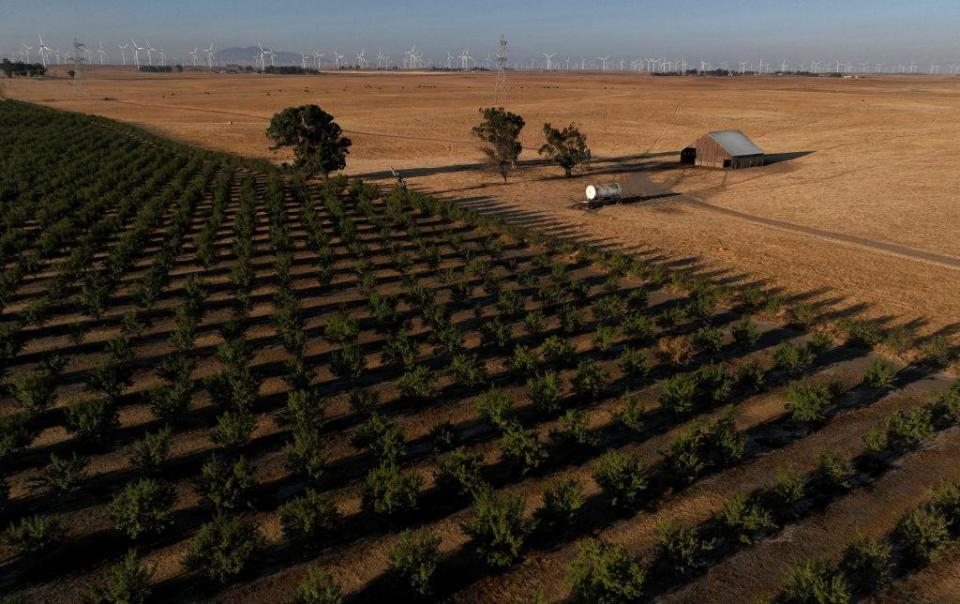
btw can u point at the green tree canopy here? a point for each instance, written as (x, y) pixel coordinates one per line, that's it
(317, 141)
(567, 148)
(500, 130)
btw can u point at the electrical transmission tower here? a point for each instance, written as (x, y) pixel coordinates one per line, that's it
(500, 93)
(79, 57)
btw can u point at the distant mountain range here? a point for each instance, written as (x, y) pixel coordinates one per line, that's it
(248, 55)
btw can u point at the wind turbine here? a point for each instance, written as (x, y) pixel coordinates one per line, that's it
(101, 52)
(43, 50)
(603, 62)
(361, 60)
(150, 51)
(261, 58)
(316, 58)
(465, 59)
(193, 55)
(123, 54)
(209, 51)
(26, 53)
(549, 58)
(136, 52)
(338, 58)
(163, 58)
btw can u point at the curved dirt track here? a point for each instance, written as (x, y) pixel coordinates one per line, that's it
(881, 247)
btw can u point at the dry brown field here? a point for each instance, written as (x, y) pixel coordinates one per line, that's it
(872, 184)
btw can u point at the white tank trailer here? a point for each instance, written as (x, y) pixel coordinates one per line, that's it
(604, 192)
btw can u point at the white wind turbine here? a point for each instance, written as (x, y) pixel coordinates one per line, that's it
(150, 51)
(26, 53)
(209, 51)
(136, 52)
(261, 57)
(549, 58)
(123, 53)
(43, 50)
(381, 60)
(163, 58)
(303, 61)
(361, 60)
(193, 55)
(338, 58)
(101, 52)
(449, 60)
(603, 62)
(465, 59)
(316, 57)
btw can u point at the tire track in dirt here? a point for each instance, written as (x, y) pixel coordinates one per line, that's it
(889, 249)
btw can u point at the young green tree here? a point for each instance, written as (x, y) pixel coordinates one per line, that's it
(567, 148)
(143, 507)
(317, 141)
(414, 559)
(125, 582)
(562, 498)
(500, 131)
(223, 547)
(603, 573)
(499, 528)
(815, 581)
(309, 518)
(35, 535)
(317, 588)
(622, 478)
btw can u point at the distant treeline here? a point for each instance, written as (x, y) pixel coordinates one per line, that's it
(20, 68)
(728, 73)
(289, 70)
(161, 68)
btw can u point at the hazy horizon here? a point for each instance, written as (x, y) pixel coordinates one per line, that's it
(797, 31)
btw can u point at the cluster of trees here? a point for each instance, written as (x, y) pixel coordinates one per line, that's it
(289, 70)
(319, 147)
(500, 133)
(19, 68)
(160, 68)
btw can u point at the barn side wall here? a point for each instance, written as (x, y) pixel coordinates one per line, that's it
(709, 153)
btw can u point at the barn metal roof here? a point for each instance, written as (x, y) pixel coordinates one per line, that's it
(736, 143)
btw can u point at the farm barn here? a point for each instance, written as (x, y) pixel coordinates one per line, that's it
(723, 149)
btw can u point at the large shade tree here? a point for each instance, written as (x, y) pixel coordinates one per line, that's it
(500, 131)
(317, 141)
(567, 148)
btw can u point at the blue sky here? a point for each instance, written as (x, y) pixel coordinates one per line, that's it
(926, 31)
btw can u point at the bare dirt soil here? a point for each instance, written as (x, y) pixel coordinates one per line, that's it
(865, 161)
